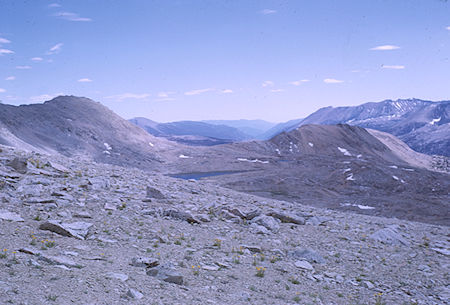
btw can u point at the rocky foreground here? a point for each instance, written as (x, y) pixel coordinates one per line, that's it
(77, 232)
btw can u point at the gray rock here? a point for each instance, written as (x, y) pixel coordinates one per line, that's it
(118, 276)
(166, 273)
(257, 229)
(318, 220)
(59, 260)
(134, 294)
(10, 216)
(307, 254)
(287, 218)
(144, 262)
(268, 222)
(154, 193)
(303, 265)
(78, 229)
(58, 167)
(186, 216)
(253, 249)
(19, 164)
(389, 236)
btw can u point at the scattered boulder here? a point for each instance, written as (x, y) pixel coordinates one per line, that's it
(144, 262)
(186, 216)
(166, 273)
(134, 294)
(154, 193)
(58, 167)
(304, 265)
(389, 236)
(268, 222)
(287, 218)
(253, 249)
(78, 229)
(307, 254)
(19, 164)
(118, 276)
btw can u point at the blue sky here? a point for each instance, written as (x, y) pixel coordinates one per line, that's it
(211, 59)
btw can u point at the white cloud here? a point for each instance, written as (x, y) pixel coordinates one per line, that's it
(298, 82)
(276, 90)
(37, 59)
(44, 97)
(198, 91)
(71, 16)
(2, 90)
(126, 96)
(332, 81)
(10, 78)
(267, 11)
(395, 67)
(6, 51)
(85, 80)
(385, 48)
(267, 83)
(55, 49)
(23, 67)
(225, 91)
(54, 5)
(4, 40)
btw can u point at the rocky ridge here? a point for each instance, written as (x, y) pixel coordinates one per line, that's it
(73, 231)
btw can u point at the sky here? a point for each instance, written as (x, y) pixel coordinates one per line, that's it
(171, 60)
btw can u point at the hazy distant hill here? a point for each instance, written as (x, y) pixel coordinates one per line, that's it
(79, 126)
(253, 128)
(423, 125)
(192, 132)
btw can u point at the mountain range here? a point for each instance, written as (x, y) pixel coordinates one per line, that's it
(341, 166)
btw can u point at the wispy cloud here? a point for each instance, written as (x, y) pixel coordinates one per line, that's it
(85, 80)
(126, 96)
(332, 81)
(298, 82)
(387, 47)
(276, 90)
(267, 83)
(395, 67)
(448, 28)
(267, 11)
(10, 78)
(44, 97)
(23, 67)
(165, 96)
(2, 90)
(6, 51)
(226, 91)
(55, 49)
(37, 59)
(198, 91)
(4, 40)
(71, 16)
(54, 5)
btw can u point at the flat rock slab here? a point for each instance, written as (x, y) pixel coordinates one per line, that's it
(78, 229)
(154, 193)
(389, 236)
(118, 276)
(308, 255)
(166, 273)
(304, 265)
(10, 216)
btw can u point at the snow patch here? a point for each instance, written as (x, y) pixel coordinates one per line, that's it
(347, 170)
(359, 206)
(151, 144)
(310, 144)
(184, 157)
(106, 152)
(433, 121)
(395, 178)
(107, 146)
(252, 161)
(359, 156)
(278, 151)
(393, 166)
(344, 151)
(350, 177)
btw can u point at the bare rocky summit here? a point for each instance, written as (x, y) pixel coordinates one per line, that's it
(74, 231)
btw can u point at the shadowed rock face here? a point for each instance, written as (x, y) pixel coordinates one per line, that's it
(79, 126)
